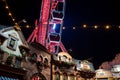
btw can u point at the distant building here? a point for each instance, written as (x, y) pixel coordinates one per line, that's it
(84, 70)
(40, 60)
(20, 60)
(102, 74)
(13, 49)
(63, 67)
(116, 72)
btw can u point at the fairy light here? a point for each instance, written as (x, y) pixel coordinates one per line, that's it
(17, 26)
(107, 27)
(95, 26)
(74, 28)
(119, 27)
(13, 19)
(63, 28)
(27, 26)
(84, 26)
(7, 7)
(9, 12)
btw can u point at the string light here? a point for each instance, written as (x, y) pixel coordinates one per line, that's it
(74, 28)
(12, 18)
(27, 26)
(84, 26)
(95, 26)
(119, 27)
(9, 12)
(6, 7)
(63, 27)
(107, 27)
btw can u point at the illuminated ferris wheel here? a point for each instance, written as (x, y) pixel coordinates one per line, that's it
(48, 29)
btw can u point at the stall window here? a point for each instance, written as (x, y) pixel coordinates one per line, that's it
(65, 77)
(40, 58)
(77, 76)
(59, 58)
(18, 62)
(9, 60)
(33, 57)
(23, 52)
(12, 43)
(64, 58)
(57, 76)
(72, 77)
(46, 61)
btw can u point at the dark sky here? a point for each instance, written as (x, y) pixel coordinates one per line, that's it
(98, 44)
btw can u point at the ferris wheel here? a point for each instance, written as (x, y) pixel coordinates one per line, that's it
(48, 29)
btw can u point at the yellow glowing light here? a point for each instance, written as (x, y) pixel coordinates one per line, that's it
(119, 27)
(84, 26)
(107, 27)
(95, 26)
(6, 7)
(16, 23)
(10, 14)
(27, 26)
(13, 19)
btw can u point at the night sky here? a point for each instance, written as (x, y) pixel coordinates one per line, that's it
(96, 45)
